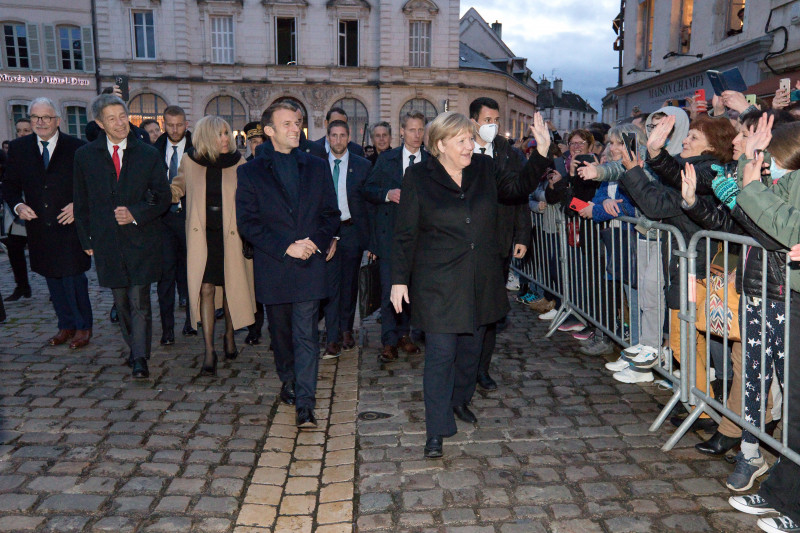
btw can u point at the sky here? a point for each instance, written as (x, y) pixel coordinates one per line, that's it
(571, 37)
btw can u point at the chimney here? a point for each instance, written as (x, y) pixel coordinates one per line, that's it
(544, 84)
(557, 86)
(498, 29)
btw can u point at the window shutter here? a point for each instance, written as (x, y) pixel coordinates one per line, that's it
(51, 47)
(34, 54)
(87, 42)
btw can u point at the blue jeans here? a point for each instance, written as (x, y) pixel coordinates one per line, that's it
(295, 343)
(70, 297)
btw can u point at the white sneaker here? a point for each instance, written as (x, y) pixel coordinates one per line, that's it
(631, 375)
(619, 364)
(512, 284)
(646, 358)
(633, 350)
(550, 315)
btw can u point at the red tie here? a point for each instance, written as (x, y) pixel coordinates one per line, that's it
(115, 159)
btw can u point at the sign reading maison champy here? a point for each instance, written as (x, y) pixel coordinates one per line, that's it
(29, 79)
(678, 87)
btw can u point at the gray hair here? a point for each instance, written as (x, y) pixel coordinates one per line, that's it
(616, 132)
(383, 124)
(105, 100)
(46, 101)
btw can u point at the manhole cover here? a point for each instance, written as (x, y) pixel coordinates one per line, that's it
(373, 415)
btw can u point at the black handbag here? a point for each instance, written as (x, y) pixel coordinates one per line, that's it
(369, 289)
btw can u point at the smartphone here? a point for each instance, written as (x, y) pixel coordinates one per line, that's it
(629, 139)
(785, 84)
(121, 81)
(751, 99)
(700, 95)
(577, 204)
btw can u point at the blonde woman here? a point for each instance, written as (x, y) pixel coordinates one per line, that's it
(218, 274)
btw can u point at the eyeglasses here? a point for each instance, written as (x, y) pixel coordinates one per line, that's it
(45, 119)
(650, 127)
(581, 143)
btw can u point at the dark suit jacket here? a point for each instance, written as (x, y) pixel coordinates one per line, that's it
(513, 221)
(129, 254)
(55, 251)
(265, 217)
(163, 141)
(305, 146)
(357, 171)
(352, 147)
(444, 242)
(387, 174)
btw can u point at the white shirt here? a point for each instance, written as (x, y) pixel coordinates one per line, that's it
(487, 150)
(341, 187)
(406, 154)
(122, 146)
(181, 146)
(51, 146)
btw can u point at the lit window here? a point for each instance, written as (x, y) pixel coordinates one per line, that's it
(147, 105)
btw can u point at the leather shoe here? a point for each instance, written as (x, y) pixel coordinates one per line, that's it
(718, 444)
(140, 370)
(61, 337)
(701, 424)
(189, 331)
(18, 293)
(332, 351)
(168, 338)
(113, 316)
(407, 346)
(433, 448)
(348, 341)
(486, 382)
(305, 418)
(252, 338)
(464, 414)
(287, 393)
(388, 354)
(80, 339)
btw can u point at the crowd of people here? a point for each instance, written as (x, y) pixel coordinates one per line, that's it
(281, 233)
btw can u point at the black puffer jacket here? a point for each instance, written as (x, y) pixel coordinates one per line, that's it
(714, 216)
(668, 169)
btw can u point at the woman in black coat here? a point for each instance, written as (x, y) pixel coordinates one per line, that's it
(445, 258)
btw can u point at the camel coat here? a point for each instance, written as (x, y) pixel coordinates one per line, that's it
(191, 182)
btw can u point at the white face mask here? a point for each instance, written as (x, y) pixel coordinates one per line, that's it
(488, 132)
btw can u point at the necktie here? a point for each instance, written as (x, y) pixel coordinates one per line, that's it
(411, 159)
(173, 163)
(115, 159)
(336, 163)
(483, 150)
(45, 153)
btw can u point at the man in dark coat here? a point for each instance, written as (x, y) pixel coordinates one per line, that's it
(305, 145)
(381, 134)
(382, 189)
(176, 141)
(337, 113)
(349, 173)
(40, 168)
(513, 221)
(121, 191)
(286, 207)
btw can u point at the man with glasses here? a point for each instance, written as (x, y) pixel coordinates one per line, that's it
(38, 184)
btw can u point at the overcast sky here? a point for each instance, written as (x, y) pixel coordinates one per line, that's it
(574, 37)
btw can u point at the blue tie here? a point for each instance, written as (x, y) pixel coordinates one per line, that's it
(173, 163)
(336, 163)
(45, 153)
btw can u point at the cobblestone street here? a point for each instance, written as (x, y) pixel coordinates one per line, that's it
(560, 447)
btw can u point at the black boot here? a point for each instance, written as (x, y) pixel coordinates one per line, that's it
(718, 444)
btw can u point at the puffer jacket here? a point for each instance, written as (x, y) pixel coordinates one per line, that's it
(717, 217)
(668, 169)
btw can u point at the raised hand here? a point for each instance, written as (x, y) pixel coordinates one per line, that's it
(760, 137)
(541, 134)
(752, 170)
(588, 172)
(689, 184)
(658, 137)
(735, 100)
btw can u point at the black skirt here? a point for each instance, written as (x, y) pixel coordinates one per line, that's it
(215, 262)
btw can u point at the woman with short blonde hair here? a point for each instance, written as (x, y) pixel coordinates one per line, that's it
(218, 275)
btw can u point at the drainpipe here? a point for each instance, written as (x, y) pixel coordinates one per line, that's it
(94, 44)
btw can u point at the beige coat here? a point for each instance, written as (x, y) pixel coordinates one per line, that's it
(191, 181)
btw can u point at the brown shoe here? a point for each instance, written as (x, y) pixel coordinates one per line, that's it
(348, 342)
(389, 354)
(332, 350)
(80, 339)
(407, 346)
(61, 337)
(542, 305)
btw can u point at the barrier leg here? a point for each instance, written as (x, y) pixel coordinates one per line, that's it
(684, 428)
(662, 416)
(563, 313)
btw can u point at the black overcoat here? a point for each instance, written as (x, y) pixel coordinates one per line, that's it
(54, 249)
(129, 254)
(444, 241)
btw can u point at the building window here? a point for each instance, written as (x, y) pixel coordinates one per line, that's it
(76, 121)
(19, 111)
(147, 105)
(144, 35)
(647, 32)
(348, 43)
(419, 104)
(69, 38)
(735, 17)
(357, 117)
(228, 108)
(687, 7)
(285, 41)
(419, 43)
(222, 40)
(15, 45)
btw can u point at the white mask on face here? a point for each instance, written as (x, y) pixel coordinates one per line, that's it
(488, 132)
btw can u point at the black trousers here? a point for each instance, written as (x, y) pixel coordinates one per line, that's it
(70, 297)
(16, 257)
(173, 268)
(255, 327)
(341, 274)
(135, 318)
(449, 377)
(295, 344)
(782, 487)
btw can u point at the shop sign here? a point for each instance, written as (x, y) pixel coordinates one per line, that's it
(669, 90)
(31, 79)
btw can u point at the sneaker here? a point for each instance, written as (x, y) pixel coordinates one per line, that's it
(778, 524)
(542, 305)
(647, 358)
(632, 375)
(619, 364)
(572, 324)
(599, 345)
(512, 284)
(750, 504)
(746, 472)
(633, 350)
(550, 315)
(585, 334)
(526, 298)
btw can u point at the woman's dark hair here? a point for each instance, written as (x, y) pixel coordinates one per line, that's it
(781, 117)
(719, 133)
(785, 145)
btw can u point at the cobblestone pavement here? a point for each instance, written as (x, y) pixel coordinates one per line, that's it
(561, 447)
